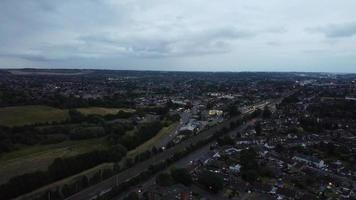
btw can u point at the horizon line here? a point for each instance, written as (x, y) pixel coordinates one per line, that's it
(154, 70)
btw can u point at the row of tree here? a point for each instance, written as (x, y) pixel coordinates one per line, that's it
(179, 175)
(60, 168)
(176, 175)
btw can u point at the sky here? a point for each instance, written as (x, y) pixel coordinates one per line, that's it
(180, 35)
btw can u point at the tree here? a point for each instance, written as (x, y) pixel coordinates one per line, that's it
(116, 167)
(182, 175)
(279, 148)
(233, 110)
(267, 113)
(76, 116)
(258, 128)
(132, 196)
(164, 179)
(84, 182)
(211, 181)
(117, 152)
(154, 150)
(225, 140)
(107, 173)
(249, 165)
(249, 175)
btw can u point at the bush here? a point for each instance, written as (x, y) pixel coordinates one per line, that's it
(211, 181)
(164, 179)
(182, 175)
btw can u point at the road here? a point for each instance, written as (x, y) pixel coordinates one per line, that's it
(186, 161)
(202, 151)
(184, 118)
(105, 185)
(88, 193)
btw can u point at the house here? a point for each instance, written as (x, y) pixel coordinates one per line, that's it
(232, 150)
(215, 112)
(235, 168)
(310, 160)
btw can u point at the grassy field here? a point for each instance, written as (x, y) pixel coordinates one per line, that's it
(146, 146)
(25, 115)
(164, 132)
(22, 115)
(103, 111)
(39, 157)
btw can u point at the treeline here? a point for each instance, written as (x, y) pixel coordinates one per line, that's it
(54, 170)
(78, 117)
(179, 175)
(144, 133)
(60, 168)
(64, 167)
(12, 138)
(251, 169)
(337, 109)
(80, 127)
(11, 97)
(153, 169)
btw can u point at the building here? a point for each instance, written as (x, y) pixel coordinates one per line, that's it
(310, 160)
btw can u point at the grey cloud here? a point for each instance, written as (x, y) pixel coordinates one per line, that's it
(165, 33)
(337, 30)
(185, 44)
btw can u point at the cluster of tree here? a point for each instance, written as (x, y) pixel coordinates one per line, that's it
(82, 133)
(292, 99)
(181, 175)
(78, 117)
(18, 97)
(313, 123)
(258, 128)
(63, 167)
(342, 153)
(233, 110)
(249, 165)
(60, 168)
(211, 181)
(159, 110)
(172, 118)
(225, 140)
(132, 196)
(255, 113)
(143, 133)
(12, 137)
(251, 170)
(78, 184)
(267, 113)
(338, 109)
(18, 135)
(164, 179)
(176, 175)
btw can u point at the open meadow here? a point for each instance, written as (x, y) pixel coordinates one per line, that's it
(103, 111)
(26, 115)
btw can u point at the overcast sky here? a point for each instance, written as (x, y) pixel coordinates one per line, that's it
(207, 35)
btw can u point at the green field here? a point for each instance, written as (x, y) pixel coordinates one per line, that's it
(26, 115)
(103, 111)
(23, 115)
(164, 132)
(39, 157)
